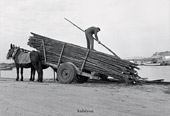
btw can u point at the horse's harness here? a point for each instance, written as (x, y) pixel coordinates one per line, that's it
(17, 50)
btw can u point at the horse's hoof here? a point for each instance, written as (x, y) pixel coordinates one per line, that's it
(32, 79)
(16, 79)
(21, 80)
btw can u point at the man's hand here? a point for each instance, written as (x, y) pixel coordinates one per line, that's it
(99, 42)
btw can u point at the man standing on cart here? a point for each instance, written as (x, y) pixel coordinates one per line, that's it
(90, 32)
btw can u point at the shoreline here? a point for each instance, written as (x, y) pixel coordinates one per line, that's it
(150, 72)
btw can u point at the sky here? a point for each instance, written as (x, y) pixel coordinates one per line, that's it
(130, 28)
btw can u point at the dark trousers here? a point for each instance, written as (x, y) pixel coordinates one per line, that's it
(90, 41)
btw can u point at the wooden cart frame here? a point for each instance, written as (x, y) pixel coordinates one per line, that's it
(78, 74)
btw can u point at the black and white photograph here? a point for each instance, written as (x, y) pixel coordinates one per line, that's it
(84, 57)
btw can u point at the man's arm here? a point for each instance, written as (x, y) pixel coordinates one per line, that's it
(95, 34)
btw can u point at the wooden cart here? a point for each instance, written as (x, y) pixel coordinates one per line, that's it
(76, 63)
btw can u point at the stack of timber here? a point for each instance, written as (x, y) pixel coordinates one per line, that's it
(94, 60)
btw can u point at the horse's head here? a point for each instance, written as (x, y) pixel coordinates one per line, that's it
(12, 51)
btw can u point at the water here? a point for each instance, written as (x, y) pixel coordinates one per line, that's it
(150, 72)
(155, 72)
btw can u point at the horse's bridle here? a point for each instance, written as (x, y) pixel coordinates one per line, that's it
(15, 52)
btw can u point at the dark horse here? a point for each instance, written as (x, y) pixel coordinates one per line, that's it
(26, 59)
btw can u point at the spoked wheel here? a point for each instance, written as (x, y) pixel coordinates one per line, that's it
(81, 79)
(66, 73)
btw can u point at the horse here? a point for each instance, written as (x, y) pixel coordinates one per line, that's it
(26, 59)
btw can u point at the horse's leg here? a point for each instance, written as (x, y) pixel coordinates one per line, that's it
(31, 75)
(41, 75)
(21, 73)
(40, 72)
(17, 69)
(36, 68)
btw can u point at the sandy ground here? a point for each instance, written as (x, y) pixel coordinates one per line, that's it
(88, 99)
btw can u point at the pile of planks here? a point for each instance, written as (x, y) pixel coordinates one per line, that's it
(91, 60)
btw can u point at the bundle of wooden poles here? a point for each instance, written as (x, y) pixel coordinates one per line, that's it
(96, 61)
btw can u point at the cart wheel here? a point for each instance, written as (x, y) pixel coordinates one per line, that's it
(66, 73)
(81, 79)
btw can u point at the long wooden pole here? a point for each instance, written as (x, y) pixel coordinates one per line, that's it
(95, 39)
(74, 25)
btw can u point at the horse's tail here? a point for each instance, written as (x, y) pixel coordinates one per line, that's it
(41, 57)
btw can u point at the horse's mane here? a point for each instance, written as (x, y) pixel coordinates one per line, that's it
(22, 49)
